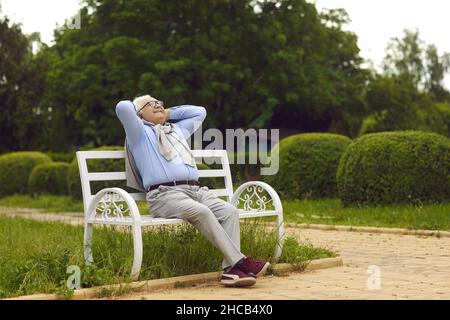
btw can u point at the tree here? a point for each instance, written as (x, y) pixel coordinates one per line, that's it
(405, 95)
(437, 67)
(21, 77)
(393, 101)
(250, 63)
(410, 56)
(405, 57)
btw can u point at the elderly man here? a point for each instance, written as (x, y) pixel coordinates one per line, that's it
(170, 177)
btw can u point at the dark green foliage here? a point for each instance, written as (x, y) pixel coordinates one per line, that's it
(22, 83)
(245, 66)
(308, 164)
(50, 178)
(395, 167)
(444, 112)
(61, 156)
(247, 171)
(96, 165)
(397, 104)
(15, 168)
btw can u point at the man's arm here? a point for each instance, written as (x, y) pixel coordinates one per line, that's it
(134, 127)
(189, 118)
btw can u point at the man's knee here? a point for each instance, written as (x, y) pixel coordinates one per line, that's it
(230, 211)
(201, 212)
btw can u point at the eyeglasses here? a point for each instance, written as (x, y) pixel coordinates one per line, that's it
(152, 104)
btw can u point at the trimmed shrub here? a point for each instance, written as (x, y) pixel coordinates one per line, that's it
(15, 167)
(61, 156)
(96, 165)
(50, 178)
(307, 165)
(395, 167)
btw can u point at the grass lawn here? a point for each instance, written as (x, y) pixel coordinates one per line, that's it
(329, 211)
(34, 256)
(323, 211)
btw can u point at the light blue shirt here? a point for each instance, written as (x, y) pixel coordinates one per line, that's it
(152, 166)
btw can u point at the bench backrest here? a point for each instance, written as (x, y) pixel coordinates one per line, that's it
(86, 176)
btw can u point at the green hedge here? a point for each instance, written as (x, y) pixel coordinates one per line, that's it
(15, 168)
(395, 167)
(61, 156)
(50, 178)
(96, 165)
(307, 165)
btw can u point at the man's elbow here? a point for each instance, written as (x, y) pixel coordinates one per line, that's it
(123, 107)
(203, 113)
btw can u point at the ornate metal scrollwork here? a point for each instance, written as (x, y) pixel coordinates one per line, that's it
(255, 198)
(111, 206)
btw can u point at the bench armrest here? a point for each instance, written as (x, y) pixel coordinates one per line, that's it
(257, 196)
(259, 199)
(108, 203)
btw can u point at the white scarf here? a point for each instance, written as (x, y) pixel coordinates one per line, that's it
(169, 143)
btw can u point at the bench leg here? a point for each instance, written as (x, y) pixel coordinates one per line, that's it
(88, 258)
(137, 248)
(280, 237)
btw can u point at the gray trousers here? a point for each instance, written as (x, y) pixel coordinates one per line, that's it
(215, 218)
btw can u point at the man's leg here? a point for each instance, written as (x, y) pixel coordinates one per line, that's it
(226, 214)
(180, 202)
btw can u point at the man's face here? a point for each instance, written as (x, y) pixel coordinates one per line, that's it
(153, 112)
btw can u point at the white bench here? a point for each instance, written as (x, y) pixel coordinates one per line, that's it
(257, 199)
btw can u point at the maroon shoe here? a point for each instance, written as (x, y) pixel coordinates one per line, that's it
(253, 267)
(237, 278)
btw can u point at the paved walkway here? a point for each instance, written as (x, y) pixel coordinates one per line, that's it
(73, 218)
(411, 267)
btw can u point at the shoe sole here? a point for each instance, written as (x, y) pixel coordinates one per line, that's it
(263, 270)
(243, 282)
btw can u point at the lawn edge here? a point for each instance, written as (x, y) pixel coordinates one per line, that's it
(348, 228)
(177, 282)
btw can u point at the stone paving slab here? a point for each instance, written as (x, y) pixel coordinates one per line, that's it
(412, 267)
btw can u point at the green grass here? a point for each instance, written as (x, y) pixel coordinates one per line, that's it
(322, 211)
(329, 211)
(34, 256)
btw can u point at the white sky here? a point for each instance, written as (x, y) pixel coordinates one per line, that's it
(377, 21)
(374, 21)
(40, 15)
